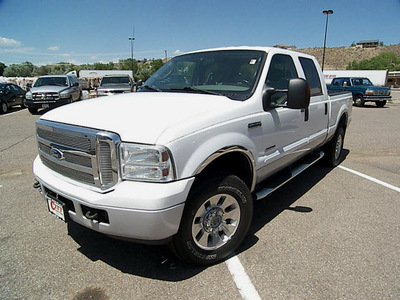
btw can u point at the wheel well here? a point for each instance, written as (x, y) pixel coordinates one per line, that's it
(343, 122)
(236, 163)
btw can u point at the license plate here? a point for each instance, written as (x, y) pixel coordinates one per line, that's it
(56, 208)
(45, 106)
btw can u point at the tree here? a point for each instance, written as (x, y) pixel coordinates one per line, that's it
(26, 69)
(156, 64)
(43, 70)
(144, 72)
(384, 61)
(126, 64)
(2, 67)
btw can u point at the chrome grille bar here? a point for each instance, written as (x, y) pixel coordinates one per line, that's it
(85, 155)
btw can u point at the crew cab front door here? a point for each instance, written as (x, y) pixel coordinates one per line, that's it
(284, 135)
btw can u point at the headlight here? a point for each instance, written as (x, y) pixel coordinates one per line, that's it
(64, 95)
(28, 95)
(146, 163)
(369, 92)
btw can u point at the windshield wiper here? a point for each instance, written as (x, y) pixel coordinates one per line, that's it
(193, 89)
(147, 87)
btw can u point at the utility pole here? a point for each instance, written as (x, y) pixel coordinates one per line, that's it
(132, 39)
(327, 13)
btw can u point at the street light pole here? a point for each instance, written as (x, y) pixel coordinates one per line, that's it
(132, 39)
(327, 13)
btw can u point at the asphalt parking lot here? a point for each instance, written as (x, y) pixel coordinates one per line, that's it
(327, 234)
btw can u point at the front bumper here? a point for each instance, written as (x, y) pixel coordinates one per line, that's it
(101, 93)
(46, 103)
(377, 98)
(147, 212)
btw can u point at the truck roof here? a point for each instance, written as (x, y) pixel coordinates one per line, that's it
(256, 48)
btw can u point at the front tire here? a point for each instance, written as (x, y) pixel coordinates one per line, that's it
(380, 103)
(217, 217)
(3, 107)
(359, 101)
(33, 110)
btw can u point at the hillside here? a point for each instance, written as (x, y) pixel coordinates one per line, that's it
(339, 58)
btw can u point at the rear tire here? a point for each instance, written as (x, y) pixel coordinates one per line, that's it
(334, 148)
(216, 219)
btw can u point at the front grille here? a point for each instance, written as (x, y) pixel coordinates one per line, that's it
(80, 154)
(381, 92)
(106, 170)
(45, 96)
(82, 143)
(77, 159)
(68, 172)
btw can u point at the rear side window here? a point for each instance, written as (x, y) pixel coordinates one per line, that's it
(312, 76)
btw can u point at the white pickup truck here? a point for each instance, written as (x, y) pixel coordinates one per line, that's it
(181, 161)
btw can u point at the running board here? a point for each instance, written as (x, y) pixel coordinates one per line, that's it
(276, 182)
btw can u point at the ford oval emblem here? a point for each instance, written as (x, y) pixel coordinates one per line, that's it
(57, 153)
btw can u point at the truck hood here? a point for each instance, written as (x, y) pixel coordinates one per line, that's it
(376, 88)
(145, 117)
(48, 89)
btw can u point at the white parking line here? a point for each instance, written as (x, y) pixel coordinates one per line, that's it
(371, 179)
(242, 281)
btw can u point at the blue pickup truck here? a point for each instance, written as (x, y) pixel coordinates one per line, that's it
(362, 89)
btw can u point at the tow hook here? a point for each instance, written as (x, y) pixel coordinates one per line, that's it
(36, 185)
(91, 215)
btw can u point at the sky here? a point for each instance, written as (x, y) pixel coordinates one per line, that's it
(87, 31)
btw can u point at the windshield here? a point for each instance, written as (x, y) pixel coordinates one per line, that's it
(58, 81)
(232, 73)
(361, 81)
(109, 81)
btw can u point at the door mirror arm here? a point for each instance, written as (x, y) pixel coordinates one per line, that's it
(267, 94)
(298, 95)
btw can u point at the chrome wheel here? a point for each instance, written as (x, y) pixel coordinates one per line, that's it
(359, 101)
(216, 221)
(4, 108)
(339, 146)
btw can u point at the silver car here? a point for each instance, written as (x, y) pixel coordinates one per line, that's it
(51, 91)
(115, 84)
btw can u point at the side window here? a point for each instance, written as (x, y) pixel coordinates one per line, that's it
(335, 82)
(281, 70)
(312, 76)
